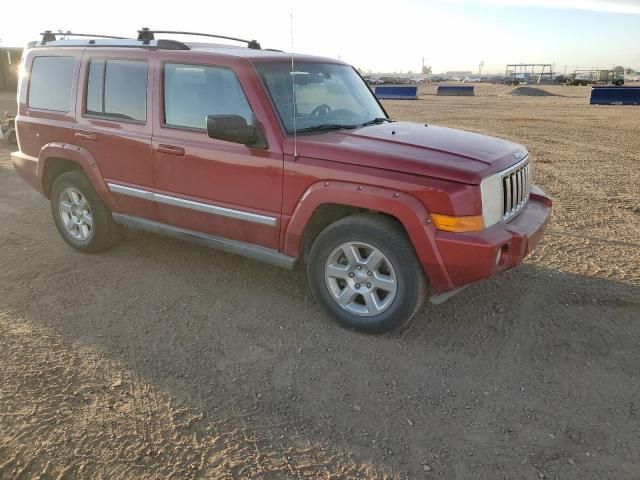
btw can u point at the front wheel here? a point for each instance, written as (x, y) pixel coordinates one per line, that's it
(363, 270)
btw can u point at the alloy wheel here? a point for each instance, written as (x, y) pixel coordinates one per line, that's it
(361, 279)
(75, 214)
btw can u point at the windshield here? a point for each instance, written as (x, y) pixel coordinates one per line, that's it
(327, 95)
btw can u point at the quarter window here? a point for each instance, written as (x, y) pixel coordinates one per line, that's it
(50, 85)
(191, 92)
(117, 89)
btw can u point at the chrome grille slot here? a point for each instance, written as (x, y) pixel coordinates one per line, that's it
(516, 187)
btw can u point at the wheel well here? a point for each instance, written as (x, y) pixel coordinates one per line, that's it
(328, 213)
(54, 168)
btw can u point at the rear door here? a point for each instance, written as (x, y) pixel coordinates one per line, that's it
(213, 186)
(114, 125)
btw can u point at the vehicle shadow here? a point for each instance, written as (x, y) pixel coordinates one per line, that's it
(199, 364)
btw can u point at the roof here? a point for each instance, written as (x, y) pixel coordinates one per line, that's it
(252, 54)
(147, 40)
(194, 48)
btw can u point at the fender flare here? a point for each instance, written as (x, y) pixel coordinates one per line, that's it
(408, 210)
(83, 158)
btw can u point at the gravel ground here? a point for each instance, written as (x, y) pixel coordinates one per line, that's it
(159, 359)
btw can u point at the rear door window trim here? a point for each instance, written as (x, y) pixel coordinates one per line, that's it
(112, 118)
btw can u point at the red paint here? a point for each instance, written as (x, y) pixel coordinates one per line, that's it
(517, 240)
(404, 170)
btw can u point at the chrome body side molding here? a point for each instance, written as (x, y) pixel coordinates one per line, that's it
(132, 192)
(248, 250)
(193, 205)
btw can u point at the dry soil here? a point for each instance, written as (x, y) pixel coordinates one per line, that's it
(159, 359)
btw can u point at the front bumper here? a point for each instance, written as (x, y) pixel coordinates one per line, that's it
(469, 257)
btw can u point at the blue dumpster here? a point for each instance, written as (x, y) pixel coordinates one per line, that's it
(456, 90)
(397, 92)
(611, 95)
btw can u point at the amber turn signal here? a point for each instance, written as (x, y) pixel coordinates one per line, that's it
(457, 224)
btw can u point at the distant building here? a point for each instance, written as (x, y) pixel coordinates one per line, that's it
(9, 63)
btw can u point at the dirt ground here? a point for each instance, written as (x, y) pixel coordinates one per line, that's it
(159, 359)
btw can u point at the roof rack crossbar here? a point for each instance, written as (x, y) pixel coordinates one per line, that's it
(146, 35)
(49, 36)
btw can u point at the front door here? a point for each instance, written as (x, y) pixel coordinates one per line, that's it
(207, 185)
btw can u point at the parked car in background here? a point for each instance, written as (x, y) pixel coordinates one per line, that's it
(495, 79)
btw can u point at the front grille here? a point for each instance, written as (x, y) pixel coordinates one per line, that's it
(516, 187)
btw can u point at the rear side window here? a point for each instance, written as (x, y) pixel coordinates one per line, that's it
(50, 84)
(117, 89)
(191, 92)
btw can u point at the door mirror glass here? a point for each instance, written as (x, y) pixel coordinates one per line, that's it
(234, 128)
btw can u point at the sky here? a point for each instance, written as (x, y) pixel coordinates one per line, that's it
(388, 36)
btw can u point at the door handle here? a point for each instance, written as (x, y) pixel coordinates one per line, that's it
(91, 137)
(170, 149)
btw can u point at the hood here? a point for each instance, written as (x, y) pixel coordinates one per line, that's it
(413, 148)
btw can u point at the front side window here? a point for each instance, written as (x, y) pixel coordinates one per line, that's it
(191, 92)
(320, 94)
(117, 89)
(50, 85)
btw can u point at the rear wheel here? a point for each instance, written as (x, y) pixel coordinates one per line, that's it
(363, 270)
(82, 219)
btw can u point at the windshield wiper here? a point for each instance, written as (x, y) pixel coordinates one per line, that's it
(376, 121)
(325, 127)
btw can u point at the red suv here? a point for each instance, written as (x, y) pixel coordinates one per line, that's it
(289, 159)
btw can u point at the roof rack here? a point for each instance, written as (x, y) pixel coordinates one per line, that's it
(145, 39)
(49, 36)
(146, 35)
(50, 39)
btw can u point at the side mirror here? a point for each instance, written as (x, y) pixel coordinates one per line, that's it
(234, 128)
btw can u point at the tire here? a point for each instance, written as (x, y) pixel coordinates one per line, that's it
(367, 307)
(11, 137)
(89, 225)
